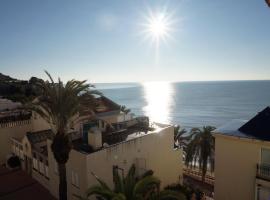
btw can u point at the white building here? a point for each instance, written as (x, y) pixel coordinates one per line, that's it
(114, 138)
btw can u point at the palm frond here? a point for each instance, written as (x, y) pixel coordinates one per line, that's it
(146, 184)
(98, 190)
(171, 195)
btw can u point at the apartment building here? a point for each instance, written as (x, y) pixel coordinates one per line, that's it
(242, 159)
(112, 139)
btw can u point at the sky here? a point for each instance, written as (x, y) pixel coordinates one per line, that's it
(106, 40)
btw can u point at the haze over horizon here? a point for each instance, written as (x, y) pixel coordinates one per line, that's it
(105, 41)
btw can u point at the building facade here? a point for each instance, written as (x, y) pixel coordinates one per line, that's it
(242, 159)
(113, 138)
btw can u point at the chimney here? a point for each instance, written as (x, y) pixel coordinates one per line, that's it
(95, 138)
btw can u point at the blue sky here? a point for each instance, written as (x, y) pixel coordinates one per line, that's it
(102, 41)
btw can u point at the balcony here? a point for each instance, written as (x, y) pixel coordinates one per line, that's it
(263, 171)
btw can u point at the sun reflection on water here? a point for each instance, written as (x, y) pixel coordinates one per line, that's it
(159, 99)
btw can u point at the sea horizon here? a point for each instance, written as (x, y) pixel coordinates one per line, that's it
(192, 104)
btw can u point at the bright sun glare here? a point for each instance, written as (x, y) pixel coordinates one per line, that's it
(159, 99)
(158, 26)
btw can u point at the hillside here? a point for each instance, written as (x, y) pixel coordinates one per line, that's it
(18, 90)
(5, 78)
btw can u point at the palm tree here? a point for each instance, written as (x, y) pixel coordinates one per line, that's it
(130, 187)
(60, 104)
(179, 139)
(201, 149)
(268, 2)
(124, 109)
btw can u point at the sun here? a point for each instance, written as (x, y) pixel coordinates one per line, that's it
(157, 27)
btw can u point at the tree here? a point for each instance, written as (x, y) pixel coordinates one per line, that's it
(59, 104)
(124, 109)
(268, 2)
(130, 187)
(179, 138)
(201, 149)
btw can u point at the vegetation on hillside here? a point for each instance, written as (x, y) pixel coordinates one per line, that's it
(19, 90)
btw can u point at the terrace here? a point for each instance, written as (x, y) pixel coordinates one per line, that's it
(15, 117)
(114, 137)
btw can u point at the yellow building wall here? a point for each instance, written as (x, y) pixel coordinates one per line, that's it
(235, 167)
(77, 164)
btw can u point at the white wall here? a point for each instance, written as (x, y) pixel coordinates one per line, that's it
(156, 149)
(39, 123)
(16, 130)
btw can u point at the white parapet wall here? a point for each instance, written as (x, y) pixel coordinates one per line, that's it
(153, 151)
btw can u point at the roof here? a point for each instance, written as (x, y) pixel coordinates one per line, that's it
(106, 105)
(39, 136)
(231, 129)
(256, 128)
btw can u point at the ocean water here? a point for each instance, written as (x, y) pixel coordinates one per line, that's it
(192, 104)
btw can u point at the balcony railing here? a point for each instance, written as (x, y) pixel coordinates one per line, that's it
(263, 171)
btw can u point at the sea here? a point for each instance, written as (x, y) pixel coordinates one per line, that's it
(191, 104)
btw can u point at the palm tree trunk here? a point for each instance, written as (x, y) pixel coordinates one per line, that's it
(203, 177)
(204, 170)
(62, 182)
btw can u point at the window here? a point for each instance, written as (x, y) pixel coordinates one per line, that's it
(47, 169)
(35, 161)
(13, 148)
(26, 147)
(41, 166)
(17, 150)
(140, 166)
(35, 115)
(75, 179)
(21, 155)
(55, 167)
(265, 156)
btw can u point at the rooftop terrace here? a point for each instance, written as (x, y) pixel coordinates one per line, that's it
(117, 137)
(14, 115)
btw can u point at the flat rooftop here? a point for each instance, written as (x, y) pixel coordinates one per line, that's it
(117, 137)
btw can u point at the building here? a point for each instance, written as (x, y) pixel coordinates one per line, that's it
(112, 138)
(242, 159)
(15, 124)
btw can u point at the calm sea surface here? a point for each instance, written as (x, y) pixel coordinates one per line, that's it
(192, 104)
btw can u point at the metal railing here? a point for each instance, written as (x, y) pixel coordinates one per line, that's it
(263, 171)
(197, 174)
